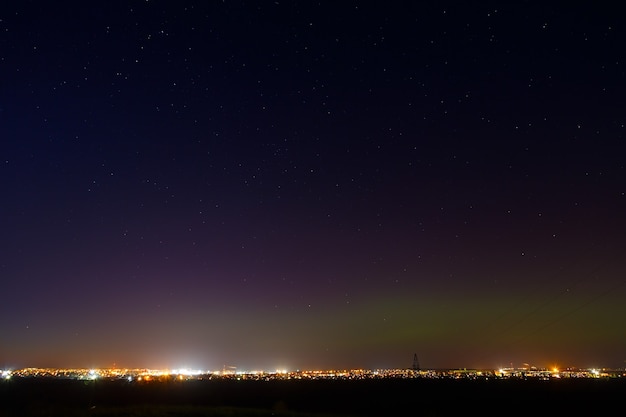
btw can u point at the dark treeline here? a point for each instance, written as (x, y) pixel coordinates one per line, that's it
(357, 397)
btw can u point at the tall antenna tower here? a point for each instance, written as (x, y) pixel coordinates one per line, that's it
(416, 363)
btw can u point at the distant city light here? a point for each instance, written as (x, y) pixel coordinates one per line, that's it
(147, 375)
(187, 372)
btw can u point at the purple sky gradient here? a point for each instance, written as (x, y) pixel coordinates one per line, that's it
(304, 185)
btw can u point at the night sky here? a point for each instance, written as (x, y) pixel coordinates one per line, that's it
(299, 185)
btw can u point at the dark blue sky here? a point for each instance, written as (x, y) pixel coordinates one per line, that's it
(312, 184)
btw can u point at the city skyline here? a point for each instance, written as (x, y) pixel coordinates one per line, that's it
(312, 185)
(132, 374)
(114, 370)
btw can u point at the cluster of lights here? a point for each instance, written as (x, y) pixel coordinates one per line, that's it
(185, 373)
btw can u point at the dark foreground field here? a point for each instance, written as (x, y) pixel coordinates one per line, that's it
(416, 397)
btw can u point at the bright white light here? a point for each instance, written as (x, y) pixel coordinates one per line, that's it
(186, 372)
(5, 374)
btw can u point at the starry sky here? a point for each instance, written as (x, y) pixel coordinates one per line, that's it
(299, 185)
